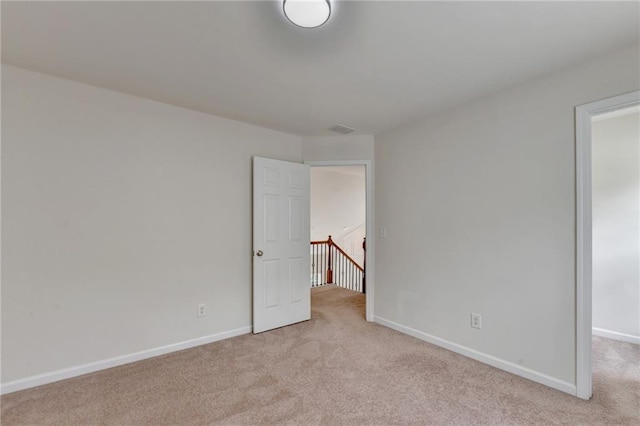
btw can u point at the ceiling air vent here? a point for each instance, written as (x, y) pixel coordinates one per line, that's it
(339, 128)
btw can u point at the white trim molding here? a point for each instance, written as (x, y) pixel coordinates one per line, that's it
(370, 253)
(629, 338)
(79, 370)
(501, 364)
(584, 114)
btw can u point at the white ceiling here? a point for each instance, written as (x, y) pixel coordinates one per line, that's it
(373, 66)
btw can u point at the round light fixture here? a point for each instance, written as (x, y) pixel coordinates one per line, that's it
(307, 13)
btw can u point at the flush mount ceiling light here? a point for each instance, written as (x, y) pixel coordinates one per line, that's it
(307, 13)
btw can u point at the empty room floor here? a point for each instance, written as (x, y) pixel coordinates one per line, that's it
(334, 369)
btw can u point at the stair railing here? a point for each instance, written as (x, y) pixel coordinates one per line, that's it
(330, 264)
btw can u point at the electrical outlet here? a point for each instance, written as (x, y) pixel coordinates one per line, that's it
(476, 320)
(201, 310)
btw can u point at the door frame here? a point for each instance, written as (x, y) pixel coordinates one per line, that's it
(583, 114)
(370, 252)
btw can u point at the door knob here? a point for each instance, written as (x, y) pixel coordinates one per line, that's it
(259, 253)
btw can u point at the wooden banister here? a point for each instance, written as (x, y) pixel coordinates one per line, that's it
(364, 265)
(348, 257)
(332, 265)
(329, 268)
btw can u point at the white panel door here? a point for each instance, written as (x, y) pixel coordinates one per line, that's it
(281, 236)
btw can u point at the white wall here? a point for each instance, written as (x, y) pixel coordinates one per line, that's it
(616, 225)
(329, 148)
(338, 202)
(120, 214)
(479, 203)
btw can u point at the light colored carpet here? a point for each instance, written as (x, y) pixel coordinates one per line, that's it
(335, 369)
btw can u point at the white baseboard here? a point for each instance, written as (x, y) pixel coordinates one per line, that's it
(629, 338)
(67, 373)
(507, 366)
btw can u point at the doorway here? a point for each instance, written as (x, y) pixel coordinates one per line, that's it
(347, 230)
(591, 192)
(338, 227)
(615, 145)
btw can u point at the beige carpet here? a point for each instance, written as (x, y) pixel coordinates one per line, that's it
(335, 369)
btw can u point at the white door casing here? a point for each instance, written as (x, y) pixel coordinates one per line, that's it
(369, 223)
(281, 238)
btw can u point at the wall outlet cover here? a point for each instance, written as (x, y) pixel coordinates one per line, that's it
(201, 310)
(476, 320)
